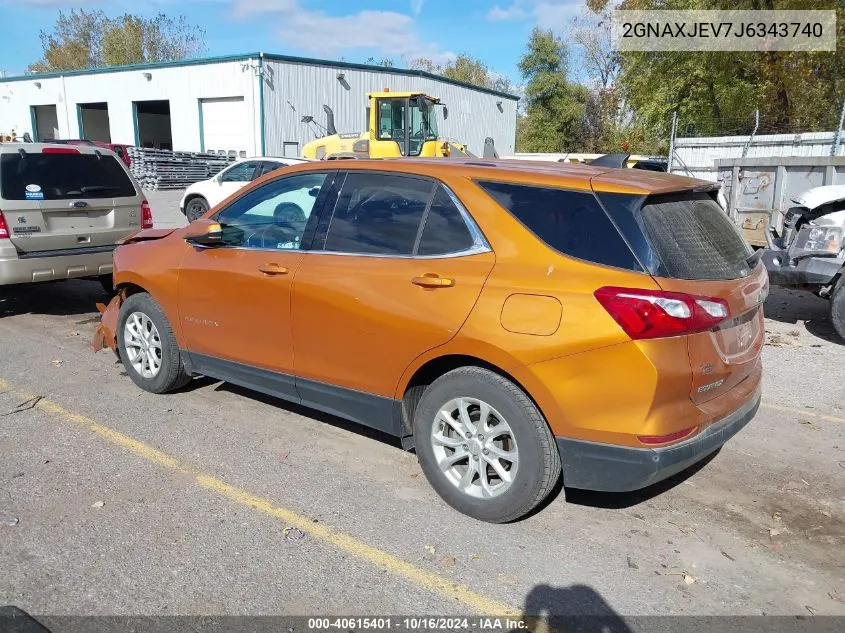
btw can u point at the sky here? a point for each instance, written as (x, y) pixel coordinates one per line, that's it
(354, 30)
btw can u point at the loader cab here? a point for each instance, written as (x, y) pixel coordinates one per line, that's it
(404, 124)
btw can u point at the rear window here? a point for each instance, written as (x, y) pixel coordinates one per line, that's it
(62, 176)
(694, 239)
(571, 222)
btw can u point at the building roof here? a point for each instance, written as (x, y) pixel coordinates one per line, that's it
(269, 56)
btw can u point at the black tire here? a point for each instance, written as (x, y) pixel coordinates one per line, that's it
(196, 208)
(171, 374)
(837, 307)
(108, 284)
(538, 459)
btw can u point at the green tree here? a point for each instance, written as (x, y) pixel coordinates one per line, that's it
(466, 69)
(555, 108)
(718, 92)
(90, 39)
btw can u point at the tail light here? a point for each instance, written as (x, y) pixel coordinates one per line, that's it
(59, 150)
(146, 215)
(4, 228)
(647, 314)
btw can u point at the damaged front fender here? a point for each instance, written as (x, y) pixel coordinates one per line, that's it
(106, 333)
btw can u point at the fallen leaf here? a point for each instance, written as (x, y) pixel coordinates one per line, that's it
(835, 595)
(776, 532)
(812, 425)
(728, 556)
(776, 515)
(689, 579)
(475, 557)
(74, 333)
(293, 533)
(448, 560)
(810, 609)
(98, 504)
(57, 362)
(414, 475)
(430, 549)
(632, 564)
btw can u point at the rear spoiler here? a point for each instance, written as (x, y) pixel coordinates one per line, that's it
(618, 161)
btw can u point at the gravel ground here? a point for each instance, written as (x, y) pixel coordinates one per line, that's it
(116, 501)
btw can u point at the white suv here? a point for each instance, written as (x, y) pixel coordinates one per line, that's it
(203, 195)
(62, 211)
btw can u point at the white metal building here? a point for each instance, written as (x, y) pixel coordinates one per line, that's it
(252, 104)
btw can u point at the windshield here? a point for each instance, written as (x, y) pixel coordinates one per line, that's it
(423, 119)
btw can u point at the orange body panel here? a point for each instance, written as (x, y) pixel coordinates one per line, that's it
(360, 322)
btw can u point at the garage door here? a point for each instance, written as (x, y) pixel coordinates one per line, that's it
(224, 124)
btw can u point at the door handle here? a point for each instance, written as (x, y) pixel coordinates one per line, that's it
(431, 280)
(273, 269)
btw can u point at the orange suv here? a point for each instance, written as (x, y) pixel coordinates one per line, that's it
(507, 320)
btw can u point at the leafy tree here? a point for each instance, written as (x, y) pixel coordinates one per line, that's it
(385, 62)
(90, 39)
(466, 69)
(555, 108)
(717, 92)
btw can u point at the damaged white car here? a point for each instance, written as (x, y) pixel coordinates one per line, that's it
(807, 251)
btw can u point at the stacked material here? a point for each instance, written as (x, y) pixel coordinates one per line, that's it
(163, 169)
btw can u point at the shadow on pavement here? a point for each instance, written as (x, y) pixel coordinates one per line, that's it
(577, 608)
(60, 298)
(793, 306)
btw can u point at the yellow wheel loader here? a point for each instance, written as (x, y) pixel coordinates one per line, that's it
(399, 124)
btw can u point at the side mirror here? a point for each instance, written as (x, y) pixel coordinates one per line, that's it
(204, 233)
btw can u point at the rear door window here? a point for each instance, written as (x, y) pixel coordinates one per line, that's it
(32, 176)
(378, 214)
(694, 239)
(571, 222)
(445, 230)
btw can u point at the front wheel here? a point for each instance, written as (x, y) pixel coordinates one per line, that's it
(196, 208)
(147, 346)
(484, 446)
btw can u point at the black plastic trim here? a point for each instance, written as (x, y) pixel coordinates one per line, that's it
(64, 252)
(367, 409)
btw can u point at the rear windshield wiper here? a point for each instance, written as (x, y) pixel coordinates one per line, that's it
(94, 188)
(752, 259)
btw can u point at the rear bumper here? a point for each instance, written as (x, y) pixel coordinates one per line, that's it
(49, 266)
(612, 468)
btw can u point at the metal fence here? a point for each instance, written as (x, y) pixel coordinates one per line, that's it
(696, 155)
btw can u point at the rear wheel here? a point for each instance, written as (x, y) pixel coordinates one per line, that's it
(837, 307)
(484, 446)
(196, 208)
(147, 346)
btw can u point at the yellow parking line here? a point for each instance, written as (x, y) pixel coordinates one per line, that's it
(319, 531)
(804, 412)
